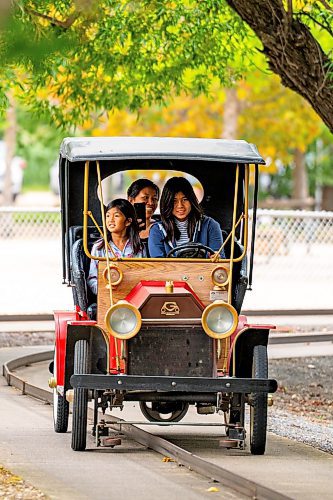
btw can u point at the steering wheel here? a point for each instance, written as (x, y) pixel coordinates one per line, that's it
(191, 251)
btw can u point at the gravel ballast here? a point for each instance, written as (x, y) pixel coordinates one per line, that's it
(303, 403)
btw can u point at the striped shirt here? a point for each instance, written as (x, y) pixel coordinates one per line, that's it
(182, 227)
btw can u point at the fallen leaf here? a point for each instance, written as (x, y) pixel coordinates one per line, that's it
(167, 459)
(213, 489)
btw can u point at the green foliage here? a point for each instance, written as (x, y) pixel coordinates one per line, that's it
(37, 219)
(319, 160)
(122, 54)
(69, 59)
(38, 142)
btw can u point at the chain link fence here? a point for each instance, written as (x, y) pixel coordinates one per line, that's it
(282, 232)
(293, 265)
(18, 224)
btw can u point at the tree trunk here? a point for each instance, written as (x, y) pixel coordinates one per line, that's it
(230, 114)
(327, 198)
(300, 181)
(292, 52)
(10, 143)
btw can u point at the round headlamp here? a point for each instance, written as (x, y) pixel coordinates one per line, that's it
(116, 275)
(219, 319)
(123, 320)
(220, 276)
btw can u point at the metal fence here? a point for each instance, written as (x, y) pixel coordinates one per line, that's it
(18, 224)
(280, 232)
(293, 260)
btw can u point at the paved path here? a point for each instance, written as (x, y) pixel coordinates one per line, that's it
(31, 449)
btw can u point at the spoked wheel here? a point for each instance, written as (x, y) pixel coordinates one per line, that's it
(164, 412)
(80, 404)
(60, 404)
(258, 408)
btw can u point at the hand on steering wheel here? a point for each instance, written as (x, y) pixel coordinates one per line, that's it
(191, 251)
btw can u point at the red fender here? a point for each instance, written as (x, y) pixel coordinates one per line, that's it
(61, 319)
(242, 326)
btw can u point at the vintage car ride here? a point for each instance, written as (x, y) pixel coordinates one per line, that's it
(165, 332)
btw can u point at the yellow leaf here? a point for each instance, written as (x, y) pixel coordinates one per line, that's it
(213, 489)
(167, 459)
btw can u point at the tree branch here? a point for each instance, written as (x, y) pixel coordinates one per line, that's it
(326, 5)
(326, 28)
(290, 11)
(63, 24)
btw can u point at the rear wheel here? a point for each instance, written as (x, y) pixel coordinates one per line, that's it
(80, 404)
(258, 408)
(164, 412)
(60, 404)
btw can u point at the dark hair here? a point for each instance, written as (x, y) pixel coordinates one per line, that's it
(132, 231)
(138, 185)
(171, 188)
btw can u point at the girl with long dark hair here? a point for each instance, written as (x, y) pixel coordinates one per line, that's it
(182, 221)
(122, 234)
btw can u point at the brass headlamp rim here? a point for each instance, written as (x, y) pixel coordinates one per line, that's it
(106, 274)
(209, 331)
(110, 311)
(214, 271)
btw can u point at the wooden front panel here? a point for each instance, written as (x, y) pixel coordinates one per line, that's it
(197, 275)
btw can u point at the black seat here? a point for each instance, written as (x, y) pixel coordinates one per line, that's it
(239, 273)
(79, 266)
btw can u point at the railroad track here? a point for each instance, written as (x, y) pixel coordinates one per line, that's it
(231, 480)
(259, 312)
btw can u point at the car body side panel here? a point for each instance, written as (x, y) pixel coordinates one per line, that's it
(61, 319)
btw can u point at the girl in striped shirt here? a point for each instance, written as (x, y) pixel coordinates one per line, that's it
(182, 221)
(123, 237)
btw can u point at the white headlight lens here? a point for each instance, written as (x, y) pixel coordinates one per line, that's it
(220, 320)
(123, 321)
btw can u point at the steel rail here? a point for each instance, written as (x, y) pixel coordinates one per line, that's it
(160, 445)
(259, 312)
(300, 338)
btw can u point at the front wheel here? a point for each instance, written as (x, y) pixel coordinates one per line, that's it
(258, 408)
(80, 403)
(60, 404)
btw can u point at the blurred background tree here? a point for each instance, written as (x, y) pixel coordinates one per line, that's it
(71, 60)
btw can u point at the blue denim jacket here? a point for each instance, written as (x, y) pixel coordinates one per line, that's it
(207, 232)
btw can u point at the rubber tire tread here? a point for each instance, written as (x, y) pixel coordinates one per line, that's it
(80, 404)
(60, 419)
(259, 401)
(61, 424)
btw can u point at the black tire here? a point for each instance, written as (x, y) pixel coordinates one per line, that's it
(80, 403)
(60, 405)
(258, 408)
(175, 412)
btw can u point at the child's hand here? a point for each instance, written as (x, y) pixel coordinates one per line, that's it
(142, 224)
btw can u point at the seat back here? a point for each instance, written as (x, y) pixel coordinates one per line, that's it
(79, 265)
